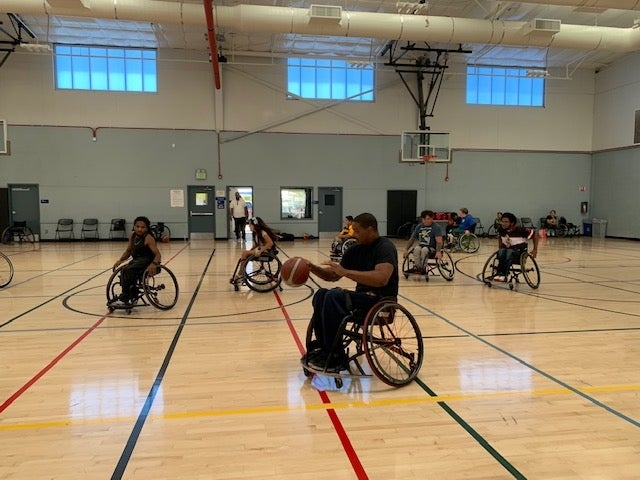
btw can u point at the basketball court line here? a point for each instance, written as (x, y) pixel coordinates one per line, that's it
(548, 376)
(288, 408)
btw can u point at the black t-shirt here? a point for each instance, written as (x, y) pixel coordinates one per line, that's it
(365, 258)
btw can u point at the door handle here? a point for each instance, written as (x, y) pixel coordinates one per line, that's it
(203, 214)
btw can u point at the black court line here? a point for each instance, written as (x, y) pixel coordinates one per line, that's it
(146, 408)
(548, 376)
(51, 299)
(54, 270)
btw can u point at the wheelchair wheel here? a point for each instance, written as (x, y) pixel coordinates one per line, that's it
(161, 289)
(262, 273)
(562, 230)
(530, 270)
(469, 243)
(6, 270)
(114, 288)
(492, 231)
(392, 343)
(7, 235)
(408, 265)
(490, 268)
(446, 267)
(26, 235)
(347, 244)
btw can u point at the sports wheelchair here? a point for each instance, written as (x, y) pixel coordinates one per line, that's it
(338, 247)
(466, 242)
(444, 266)
(160, 290)
(525, 265)
(159, 230)
(387, 335)
(18, 232)
(261, 273)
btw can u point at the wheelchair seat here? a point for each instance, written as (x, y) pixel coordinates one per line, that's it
(387, 335)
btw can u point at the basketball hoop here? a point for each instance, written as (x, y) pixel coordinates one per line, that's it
(428, 158)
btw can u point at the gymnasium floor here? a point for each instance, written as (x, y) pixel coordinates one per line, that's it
(539, 384)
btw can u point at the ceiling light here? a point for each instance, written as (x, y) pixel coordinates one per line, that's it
(412, 8)
(537, 72)
(36, 47)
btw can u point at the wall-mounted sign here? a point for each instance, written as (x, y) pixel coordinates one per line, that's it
(201, 173)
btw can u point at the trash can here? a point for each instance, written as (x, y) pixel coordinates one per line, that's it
(586, 229)
(599, 228)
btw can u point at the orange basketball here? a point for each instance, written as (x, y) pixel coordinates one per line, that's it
(295, 272)
(164, 239)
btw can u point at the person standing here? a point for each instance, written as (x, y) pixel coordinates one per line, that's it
(239, 214)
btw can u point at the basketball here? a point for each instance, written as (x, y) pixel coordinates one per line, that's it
(164, 239)
(295, 272)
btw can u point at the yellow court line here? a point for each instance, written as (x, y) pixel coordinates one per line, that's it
(318, 406)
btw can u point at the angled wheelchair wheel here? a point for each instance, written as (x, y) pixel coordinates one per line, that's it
(347, 244)
(530, 270)
(490, 268)
(27, 235)
(392, 343)
(7, 235)
(469, 243)
(114, 287)
(262, 272)
(161, 289)
(6, 270)
(492, 231)
(408, 265)
(562, 230)
(446, 267)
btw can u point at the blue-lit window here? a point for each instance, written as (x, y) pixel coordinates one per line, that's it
(330, 80)
(80, 67)
(505, 86)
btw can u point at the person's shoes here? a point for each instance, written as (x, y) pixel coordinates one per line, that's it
(499, 278)
(121, 303)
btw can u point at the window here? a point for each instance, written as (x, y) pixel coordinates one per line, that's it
(330, 80)
(80, 67)
(295, 203)
(505, 86)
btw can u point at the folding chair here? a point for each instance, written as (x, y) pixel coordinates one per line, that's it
(118, 228)
(89, 229)
(64, 230)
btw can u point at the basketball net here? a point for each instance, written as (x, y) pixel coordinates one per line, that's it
(428, 158)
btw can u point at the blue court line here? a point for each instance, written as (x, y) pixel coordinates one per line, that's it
(589, 398)
(144, 413)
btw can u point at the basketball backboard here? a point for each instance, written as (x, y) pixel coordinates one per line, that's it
(416, 145)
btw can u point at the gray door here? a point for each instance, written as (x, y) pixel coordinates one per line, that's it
(201, 209)
(24, 205)
(330, 209)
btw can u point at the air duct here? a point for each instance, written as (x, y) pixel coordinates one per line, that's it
(288, 20)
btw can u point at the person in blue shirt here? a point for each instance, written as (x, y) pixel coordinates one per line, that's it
(467, 223)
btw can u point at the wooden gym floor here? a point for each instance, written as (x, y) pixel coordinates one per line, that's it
(539, 384)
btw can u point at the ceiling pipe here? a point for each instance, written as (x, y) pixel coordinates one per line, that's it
(213, 48)
(287, 20)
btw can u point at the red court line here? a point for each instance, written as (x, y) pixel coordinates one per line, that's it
(335, 420)
(51, 364)
(60, 356)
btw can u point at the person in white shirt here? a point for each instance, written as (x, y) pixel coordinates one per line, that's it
(239, 214)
